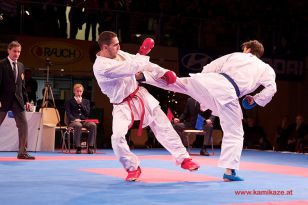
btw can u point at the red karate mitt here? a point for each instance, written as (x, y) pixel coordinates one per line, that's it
(146, 46)
(169, 77)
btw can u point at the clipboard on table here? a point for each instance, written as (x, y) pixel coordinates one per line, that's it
(199, 122)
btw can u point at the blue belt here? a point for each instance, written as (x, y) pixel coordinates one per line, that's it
(237, 90)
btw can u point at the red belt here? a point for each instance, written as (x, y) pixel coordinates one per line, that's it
(128, 99)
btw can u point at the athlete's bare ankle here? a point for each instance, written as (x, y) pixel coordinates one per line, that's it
(228, 171)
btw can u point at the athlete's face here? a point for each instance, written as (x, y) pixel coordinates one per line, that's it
(113, 47)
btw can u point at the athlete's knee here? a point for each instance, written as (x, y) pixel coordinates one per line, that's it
(118, 137)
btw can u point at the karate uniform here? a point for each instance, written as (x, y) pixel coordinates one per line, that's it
(117, 80)
(216, 92)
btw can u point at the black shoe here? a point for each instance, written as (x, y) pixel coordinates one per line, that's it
(90, 150)
(78, 151)
(203, 152)
(25, 156)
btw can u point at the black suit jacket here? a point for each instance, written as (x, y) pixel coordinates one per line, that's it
(77, 111)
(191, 111)
(9, 90)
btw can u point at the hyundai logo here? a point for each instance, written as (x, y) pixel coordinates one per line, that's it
(195, 61)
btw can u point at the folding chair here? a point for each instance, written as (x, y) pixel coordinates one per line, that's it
(50, 120)
(50, 116)
(66, 137)
(200, 130)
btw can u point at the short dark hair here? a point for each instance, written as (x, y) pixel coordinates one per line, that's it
(256, 48)
(13, 44)
(105, 38)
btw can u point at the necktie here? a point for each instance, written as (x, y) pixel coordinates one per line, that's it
(15, 70)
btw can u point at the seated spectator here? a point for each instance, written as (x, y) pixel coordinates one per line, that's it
(188, 120)
(303, 147)
(282, 134)
(208, 128)
(77, 110)
(254, 136)
(296, 133)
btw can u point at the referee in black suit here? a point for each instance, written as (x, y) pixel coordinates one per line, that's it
(12, 93)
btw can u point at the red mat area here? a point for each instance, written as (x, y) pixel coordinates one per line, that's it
(304, 202)
(155, 175)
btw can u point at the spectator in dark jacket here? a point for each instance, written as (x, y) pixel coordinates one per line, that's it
(77, 111)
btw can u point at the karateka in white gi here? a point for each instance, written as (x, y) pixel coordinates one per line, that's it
(218, 88)
(115, 73)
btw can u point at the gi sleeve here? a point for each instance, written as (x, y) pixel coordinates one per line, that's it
(118, 69)
(270, 88)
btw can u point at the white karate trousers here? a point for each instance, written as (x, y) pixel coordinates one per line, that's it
(158, 122)
(214, 92)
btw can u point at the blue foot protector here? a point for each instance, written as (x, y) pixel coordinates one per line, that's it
(232, 177)
(246, 105)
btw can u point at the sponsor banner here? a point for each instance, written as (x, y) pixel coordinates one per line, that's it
(287, 69)
(192, 61)
(64, 55)
(74, 57)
